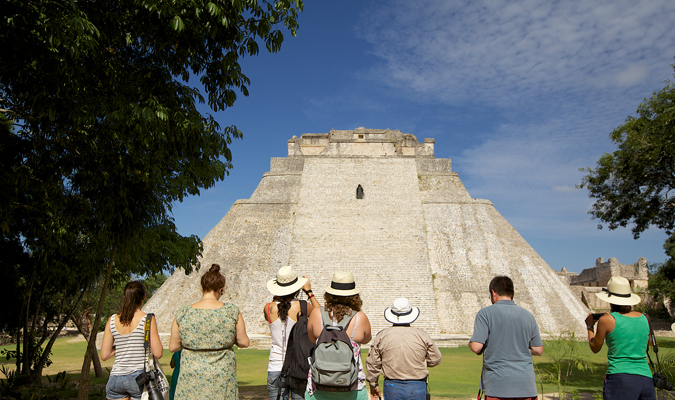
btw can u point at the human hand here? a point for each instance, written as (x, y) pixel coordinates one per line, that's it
(307, 286)
(375, 393)
(590, 321)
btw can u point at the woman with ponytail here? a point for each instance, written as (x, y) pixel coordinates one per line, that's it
(206, 331)
(123, 338)
(281, 314)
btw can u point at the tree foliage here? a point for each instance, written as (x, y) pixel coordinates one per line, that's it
(108, 135)
(635, 183)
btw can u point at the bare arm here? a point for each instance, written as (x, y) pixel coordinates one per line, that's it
(314, 325)
(364, 323)
(242, 337)
(155, 342)
(477, 347)
(605, 325)
(107, 349)
(307, 287)
(537, 350)
(174, 341)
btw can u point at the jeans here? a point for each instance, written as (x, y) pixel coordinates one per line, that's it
(628, 387)
(121, 386)
(271, 381)
(404, 390)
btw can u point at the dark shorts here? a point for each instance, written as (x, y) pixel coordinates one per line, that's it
(121, 386)
(511, 398)
(628, 387)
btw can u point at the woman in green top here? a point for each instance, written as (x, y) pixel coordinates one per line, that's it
(627, 335)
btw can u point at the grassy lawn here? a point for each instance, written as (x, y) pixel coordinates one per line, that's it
(455, 378)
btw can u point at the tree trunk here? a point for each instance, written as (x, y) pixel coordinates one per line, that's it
(85, 330)
(18, 349)
(27, 340)
(83, 387)
(36, 375)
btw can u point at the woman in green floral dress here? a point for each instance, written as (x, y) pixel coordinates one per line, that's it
(207, 330)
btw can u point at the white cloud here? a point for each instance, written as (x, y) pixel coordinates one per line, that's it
(632, 75)
(514, 53)
(562, 76)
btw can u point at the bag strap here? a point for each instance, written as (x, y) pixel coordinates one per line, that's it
(356, 324)
(146, 338)
(655, 346)
(303, 310)
(345, 320)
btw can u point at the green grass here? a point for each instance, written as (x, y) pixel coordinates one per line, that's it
(456, 377)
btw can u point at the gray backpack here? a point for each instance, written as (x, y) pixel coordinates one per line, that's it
(334, 368)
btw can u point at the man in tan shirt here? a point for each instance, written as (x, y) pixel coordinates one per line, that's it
(402, 354)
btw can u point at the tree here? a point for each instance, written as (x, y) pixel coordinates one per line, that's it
(109, 133)
(634, 184)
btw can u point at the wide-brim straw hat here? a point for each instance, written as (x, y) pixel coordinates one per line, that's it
(618, 292)
(287, 282)
(342, 284)
(401, 313)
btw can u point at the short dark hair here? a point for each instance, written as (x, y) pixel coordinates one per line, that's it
(620, 309)
(502, 285)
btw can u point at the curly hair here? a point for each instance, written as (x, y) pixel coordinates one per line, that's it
(339, 306)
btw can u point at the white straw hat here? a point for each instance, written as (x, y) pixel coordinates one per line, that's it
(342, 284)
(618, 292)
(287, 282)
(401, 313)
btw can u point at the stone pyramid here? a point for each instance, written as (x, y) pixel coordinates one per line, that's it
(416, 232)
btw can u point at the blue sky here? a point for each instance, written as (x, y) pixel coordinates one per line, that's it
(519, 94)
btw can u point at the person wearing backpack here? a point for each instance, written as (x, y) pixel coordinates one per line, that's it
(282, 314)
(338, 328)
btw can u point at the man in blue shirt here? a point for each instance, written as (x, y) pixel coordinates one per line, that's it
(507, 335)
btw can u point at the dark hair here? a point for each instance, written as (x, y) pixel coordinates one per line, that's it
(339, 306)
(213, 280)
(620, 309)
(134, 294)
(502, 285)
(285, 304)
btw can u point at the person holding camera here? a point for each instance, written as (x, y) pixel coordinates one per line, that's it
(123, 338)
(282, 314)
(626, 332)
(206, 331)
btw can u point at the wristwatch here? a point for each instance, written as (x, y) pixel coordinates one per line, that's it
(591, 328)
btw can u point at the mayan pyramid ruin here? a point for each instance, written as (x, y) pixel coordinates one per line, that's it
(377, 203)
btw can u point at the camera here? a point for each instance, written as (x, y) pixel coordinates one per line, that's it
(148, 378)
(660, 382)
(596, 316)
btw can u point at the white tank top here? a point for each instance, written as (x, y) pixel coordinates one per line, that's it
(129, 350)
(279, 331)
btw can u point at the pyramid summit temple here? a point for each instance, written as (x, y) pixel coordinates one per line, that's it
(378, 203)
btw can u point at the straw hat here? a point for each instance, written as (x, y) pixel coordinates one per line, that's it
(401, 313)
(618, 292)
(342, 284)
(287, 282)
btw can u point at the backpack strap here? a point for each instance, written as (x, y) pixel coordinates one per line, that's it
(345, 320)
(303, 310)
